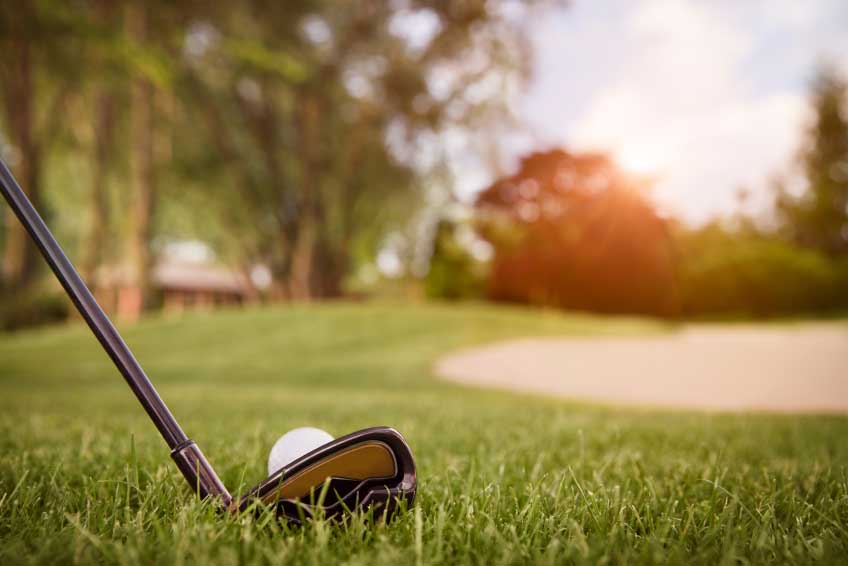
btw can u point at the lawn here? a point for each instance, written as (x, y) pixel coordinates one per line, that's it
(504, 478)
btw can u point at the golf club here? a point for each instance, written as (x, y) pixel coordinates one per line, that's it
(371, 468)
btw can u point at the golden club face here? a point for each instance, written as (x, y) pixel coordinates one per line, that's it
(371, 459)
(369, 468)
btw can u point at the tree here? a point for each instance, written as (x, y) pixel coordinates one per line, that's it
(454, 273)
(313, 111)
(574, 231)
(37, 43)
(737, 271)
(289, 135)
(105, 77)
(819, 218)
(153, 33)
(142, 173)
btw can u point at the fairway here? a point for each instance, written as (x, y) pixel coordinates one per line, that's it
(504, 478)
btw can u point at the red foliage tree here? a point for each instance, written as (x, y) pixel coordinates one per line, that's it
(574, 231)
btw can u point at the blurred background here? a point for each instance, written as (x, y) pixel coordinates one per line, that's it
(669, 158)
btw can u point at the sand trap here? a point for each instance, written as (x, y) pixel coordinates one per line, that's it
(793, 368)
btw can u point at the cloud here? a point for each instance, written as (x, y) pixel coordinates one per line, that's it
(693, 90)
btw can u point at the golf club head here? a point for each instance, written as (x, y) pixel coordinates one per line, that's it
(369, 469)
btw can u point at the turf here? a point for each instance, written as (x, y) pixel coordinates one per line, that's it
(504, 478)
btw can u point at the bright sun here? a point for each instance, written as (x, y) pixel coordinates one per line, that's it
(641, 159)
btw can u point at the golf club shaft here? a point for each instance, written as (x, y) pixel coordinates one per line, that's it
(190, 460)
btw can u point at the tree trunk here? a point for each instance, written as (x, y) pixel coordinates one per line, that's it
(303, 250)
(20, 256)
(333, 264)
(92, 253)
(142, 179)
(303, 260)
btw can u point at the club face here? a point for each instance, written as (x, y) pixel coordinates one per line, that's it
(369, 469)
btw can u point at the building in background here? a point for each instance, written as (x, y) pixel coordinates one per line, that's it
(177, 286)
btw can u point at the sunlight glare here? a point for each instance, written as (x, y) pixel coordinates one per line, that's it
(641, 159)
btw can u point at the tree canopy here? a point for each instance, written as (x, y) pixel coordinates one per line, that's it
(283, 134)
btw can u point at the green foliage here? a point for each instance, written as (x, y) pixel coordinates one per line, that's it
(33, 306)
(505, 479)
(722, 272)
(300, 127)
(454, 273)
(281, 133)
(256, 56)
(819, 218)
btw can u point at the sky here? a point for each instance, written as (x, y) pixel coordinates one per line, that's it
(704, 96)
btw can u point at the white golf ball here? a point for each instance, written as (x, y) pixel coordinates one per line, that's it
(294, 444)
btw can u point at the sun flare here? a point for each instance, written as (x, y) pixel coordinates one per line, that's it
(641, 159)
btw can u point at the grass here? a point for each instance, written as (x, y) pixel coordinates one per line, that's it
(504, 478)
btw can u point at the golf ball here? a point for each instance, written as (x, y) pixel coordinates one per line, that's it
(294, 444)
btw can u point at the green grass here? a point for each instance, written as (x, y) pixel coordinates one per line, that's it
(504, 478)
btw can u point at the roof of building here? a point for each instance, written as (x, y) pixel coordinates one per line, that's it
(185, 276)
(194, 277)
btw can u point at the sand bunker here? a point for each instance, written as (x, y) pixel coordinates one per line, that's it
(792, 368)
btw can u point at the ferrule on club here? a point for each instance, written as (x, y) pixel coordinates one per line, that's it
(199, 473)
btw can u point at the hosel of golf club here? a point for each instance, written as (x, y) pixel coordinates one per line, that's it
(197, 471)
